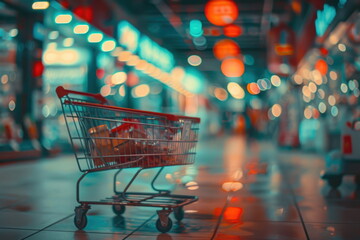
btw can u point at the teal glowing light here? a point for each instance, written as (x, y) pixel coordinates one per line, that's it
(196, 28)
(324, 18)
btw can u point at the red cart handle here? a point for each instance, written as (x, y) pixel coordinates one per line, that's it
(61, 92)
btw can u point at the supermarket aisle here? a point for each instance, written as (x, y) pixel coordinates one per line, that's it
(246, 190)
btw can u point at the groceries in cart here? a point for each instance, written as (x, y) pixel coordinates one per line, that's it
(120, 143)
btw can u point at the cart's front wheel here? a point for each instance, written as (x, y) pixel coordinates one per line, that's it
(118, 209)
(164, 227)
(80, 221)
(334, 181)
(179, 213)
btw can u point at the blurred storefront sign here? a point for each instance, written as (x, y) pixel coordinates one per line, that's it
(132, 40)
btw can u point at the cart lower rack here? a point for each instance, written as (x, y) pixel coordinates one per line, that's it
(107, 137)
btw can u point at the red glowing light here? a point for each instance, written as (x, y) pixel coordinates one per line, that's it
(232, 67)
(321, 66)
(84, 12)
(253, 88)
(233, 30)
(38, 69)
(221, 12)
(226, 48)
(324, 51)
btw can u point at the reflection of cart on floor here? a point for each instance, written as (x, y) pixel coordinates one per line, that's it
(346, 161)
(116, 138)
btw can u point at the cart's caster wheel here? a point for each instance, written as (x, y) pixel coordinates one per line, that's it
(334, 181)
(80, 221)
(163, 229)
(179, 213)
(118, 209)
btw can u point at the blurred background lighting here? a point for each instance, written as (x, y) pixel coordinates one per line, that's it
(81, 29)
(196, 28)
(220, 94)
(312, 87)
(236, 90)
(275, 80)
(124, 56)
(108, 46)
(105, 90)
(344, 88)
(133, 60)
(122, 90)
(13, 32)
(68, 42)
(253, 88)
(194, 60)
(342, 47)
(308, 113)
(53, 35)
(12, 105)
(118, 78)
(140, 91)
(334, 111)
(63, 18)
(331, 100)
(232, 67)
(40, 5)
(298, 79)
(322, 107)
(95, 37)
(276, 110)
(333, 75)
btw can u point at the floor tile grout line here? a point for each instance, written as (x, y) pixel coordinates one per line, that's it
(220, 217)
(139, 227)
(49, 226)
(294, 200)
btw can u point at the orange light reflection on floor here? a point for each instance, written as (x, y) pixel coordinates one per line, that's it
(231, 214)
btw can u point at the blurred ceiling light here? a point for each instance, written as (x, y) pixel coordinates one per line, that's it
(276, 110)
(124, 56)
(116, 51)
(236, 90)
(275, 80)
(141, 65)
(68, 42)
(108, 46)
(40, 5)
(342, 47)
(4, 79)
(194, 60)
(352, 85)
(253, 88)
(220, 94)
(53, 35)
(63, 18)
(232, 67)
(133, 60)
(334, 39)
(122, 90)
(140, 91)
(81, 29)
(118, 78)
(95, 37)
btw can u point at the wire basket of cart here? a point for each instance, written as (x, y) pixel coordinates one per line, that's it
(107, 137)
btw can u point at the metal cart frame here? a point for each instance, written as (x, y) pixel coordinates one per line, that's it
(107, 137)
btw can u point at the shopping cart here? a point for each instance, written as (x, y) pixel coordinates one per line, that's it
(107, 137)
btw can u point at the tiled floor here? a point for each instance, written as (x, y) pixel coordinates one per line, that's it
(247, 190)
